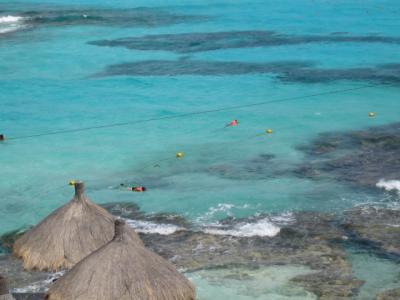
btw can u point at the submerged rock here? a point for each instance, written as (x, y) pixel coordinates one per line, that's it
(140, 17)
(129, 210)
(378, 227)
(360, 158)
(242, 282)
(327, 285)
(29, 296)
(389, 295)
(17, 277)
(7, 240)
(209, 41)
(260, 167)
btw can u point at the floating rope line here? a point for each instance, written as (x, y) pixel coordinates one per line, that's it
(227, 108)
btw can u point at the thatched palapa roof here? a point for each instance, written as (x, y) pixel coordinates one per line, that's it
(122, 270)
(4, 293)
(66, 236)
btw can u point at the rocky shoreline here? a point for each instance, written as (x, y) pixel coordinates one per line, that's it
(312, 239)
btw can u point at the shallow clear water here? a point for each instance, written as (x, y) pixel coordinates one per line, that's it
(265, 283)
(47, 84)
(379, 273)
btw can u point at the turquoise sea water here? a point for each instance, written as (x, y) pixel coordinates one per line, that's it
(52, 79)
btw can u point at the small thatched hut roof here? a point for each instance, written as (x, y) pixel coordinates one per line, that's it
(122, 270)
(4, 292)
(66, 236)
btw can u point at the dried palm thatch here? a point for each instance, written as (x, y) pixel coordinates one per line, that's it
(66, 236)
(122, 270)
(4, 293)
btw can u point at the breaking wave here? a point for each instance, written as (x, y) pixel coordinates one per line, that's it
(10, 19)
(389, 185)
(11, 23)
(150, 227)
(263, 227)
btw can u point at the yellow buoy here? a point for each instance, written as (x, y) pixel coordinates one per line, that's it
(72, 182)
(268, 131)
(371, 114)
(180, 154)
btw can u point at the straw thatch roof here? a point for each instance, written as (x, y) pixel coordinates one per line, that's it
(66, 236)
(4, 293)
(122, 270)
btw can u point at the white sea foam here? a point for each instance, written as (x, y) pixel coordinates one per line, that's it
(263, 227)
(10, 19)
(389, 185)
(150, 227)
(40, 286)
(219, 211)
(283, 219)
(10, 23)
(9, 29)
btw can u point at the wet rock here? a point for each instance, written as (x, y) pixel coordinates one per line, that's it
(310, 241)
(132, 211)
(17, 277)
(29, 296)
(389, 295)
(7, 240)
(377, 227)
(168, 218)
(360, 158)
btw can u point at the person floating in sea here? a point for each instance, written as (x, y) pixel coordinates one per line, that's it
(137, 189)
(232, 123)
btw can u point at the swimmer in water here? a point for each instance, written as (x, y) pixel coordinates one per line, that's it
(137, 189)
(232, 123)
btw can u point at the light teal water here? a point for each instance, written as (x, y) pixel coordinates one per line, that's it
(47, 84)
(247, 284)
(388, 272)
